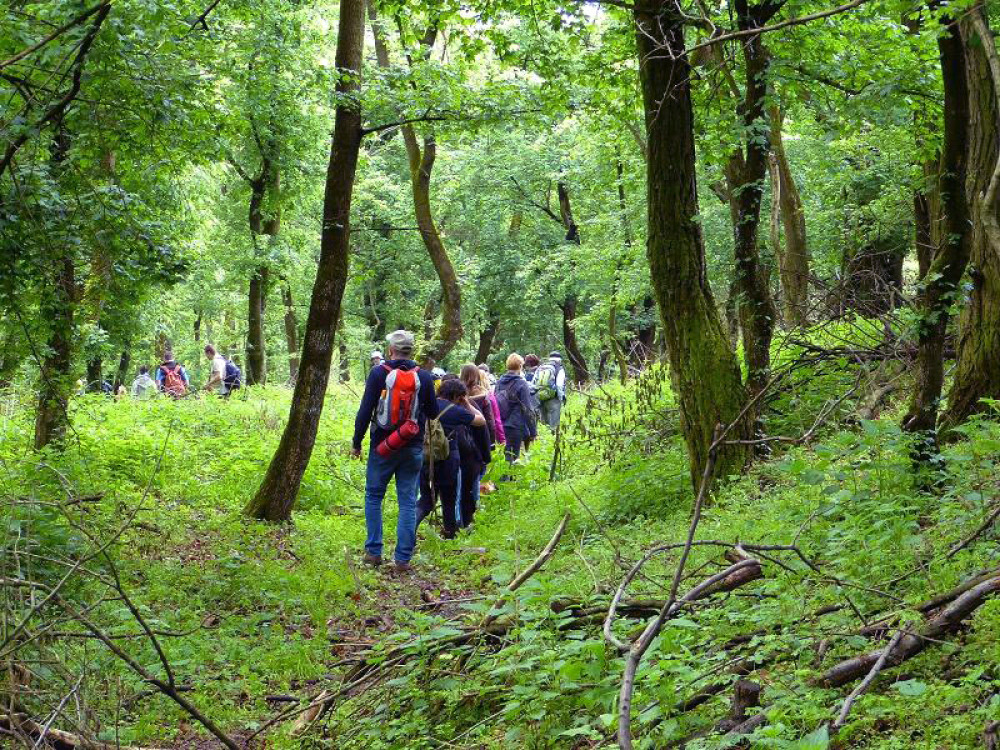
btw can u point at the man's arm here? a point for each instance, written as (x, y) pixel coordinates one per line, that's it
(428, 397)
(561, 383)
(159, 378)
(369, 400)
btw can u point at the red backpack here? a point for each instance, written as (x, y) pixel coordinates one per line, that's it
(173, 383)
(400, 400)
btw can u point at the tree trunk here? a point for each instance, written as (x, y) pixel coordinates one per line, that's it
(121, 376)
(291, 332)
(256, 363)
(95, 375)
(645, 340)
(926, 218)
(941, 283)
(793, 260)
(616, 345)
(266, 186)
(486, 338)
(10, 357)
(197, 328)
(568, 306)
(703, 368)
(56, 307)
(977, 374)
(421, 163)
(343, 361)
(277, 493)
(747, 172)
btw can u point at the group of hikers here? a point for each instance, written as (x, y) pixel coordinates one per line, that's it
(435, 433)
(171, 378)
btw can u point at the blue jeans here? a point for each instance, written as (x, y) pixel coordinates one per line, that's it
(405, 465)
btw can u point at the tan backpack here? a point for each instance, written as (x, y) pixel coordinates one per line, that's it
(436, 445)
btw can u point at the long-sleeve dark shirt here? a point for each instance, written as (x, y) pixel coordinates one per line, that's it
(374, 386)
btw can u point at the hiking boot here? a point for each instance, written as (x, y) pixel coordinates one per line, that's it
(373, 560)
(402, 568)
(446, 534)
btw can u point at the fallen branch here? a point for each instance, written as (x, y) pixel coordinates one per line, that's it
(58, 739)
(949, 620)
(990, 519)
(863, 686)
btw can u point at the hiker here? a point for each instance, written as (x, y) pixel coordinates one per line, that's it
(224, 377)
(397, 402)
(550, 389)
(531, 363)
(143, 386)
(457, 415)
(376, 358)
(490, 377)
(171, 377)
(486, 438)
(514, 399)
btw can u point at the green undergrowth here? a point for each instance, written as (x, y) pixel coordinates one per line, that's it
(258, 611)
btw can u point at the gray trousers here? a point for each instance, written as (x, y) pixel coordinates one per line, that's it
(551, 411)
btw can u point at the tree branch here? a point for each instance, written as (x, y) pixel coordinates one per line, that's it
(58, 32)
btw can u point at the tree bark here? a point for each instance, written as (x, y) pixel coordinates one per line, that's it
(291, 332)
(56, 306)
(793, 258)
(276, 496)
(941, 283)
(265, 187)
(486, 338)
(977, 372)
(703, 368)
(747, 172)
(581, 374)
(95, 374)
(124, 361)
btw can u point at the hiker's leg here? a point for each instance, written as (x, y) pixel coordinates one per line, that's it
(377, 477)
(446, 477)
(408, 466)
(513, 448)
(425, 504)
(547, 415)
(459, 480)
(467, 492)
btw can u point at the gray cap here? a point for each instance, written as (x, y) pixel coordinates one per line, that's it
(402, 341)
(555, 355)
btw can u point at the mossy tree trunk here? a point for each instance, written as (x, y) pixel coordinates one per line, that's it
(265, 221)
(748, 172)
(977, 374)
(703, 368)
(291, 331)
(793, 257)
(56, 307)
(276, 496)
(940, 285)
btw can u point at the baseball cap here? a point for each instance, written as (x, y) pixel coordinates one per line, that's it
(402, 341)
(555, 355)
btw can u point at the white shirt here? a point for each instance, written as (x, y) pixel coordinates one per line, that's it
(219, 368)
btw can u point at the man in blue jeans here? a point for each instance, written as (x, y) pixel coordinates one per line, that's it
(404, 464)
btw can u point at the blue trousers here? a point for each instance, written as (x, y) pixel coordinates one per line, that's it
(405, 466)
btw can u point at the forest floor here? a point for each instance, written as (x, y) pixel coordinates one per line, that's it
(260, 618)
